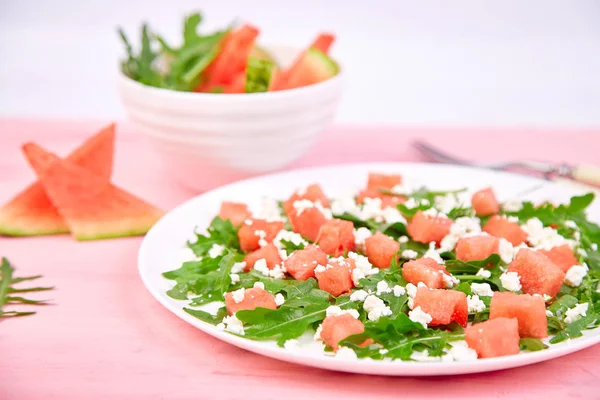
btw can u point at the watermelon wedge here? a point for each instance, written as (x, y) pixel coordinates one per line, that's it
(31, 213)
(92, 207)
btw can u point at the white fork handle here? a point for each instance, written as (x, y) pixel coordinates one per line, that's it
(586, 173)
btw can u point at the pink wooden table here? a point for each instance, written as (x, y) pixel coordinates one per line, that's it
(107, 338)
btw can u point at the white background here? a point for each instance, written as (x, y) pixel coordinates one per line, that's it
(437, 62)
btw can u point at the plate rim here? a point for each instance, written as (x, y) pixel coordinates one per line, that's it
(360, 366)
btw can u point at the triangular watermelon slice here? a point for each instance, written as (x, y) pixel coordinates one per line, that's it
(31, 213)
(92, 207)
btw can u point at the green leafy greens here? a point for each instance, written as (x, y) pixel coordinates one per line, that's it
(7, 291)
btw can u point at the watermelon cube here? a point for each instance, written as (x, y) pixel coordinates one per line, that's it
(425, 270)
(251, 231)
(529, 310)
(268, 252)
(444, 306)
(484, 202)
(336, 328)
(301, 264)
(383, 181)
(336, 237)
(381, 249)
(425, 228)
(476, 247)
(336, 277)
(387, 200)
(237, 213)
(308, 223)
(253, 298)
(312, 192)
(562, 256)
(501, 227)
(494, 338)
(537, 273)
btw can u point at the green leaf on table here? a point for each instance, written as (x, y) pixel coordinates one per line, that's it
(6, 289)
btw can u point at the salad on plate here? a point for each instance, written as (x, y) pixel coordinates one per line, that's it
(228, 60)
(396, 271)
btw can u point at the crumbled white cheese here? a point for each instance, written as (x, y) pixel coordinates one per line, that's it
(433, 254)
(511, 281)
(412, 292)
(376, 308)
(238, 267)
(288, 236)
(318, 332)
(343, 205)
(517, 248)
(383, 351)
(401, 189)
(360, 235)
(345, 353)
(248, 222)
(512, 206)
(216, 250)
(581, 251)
(261, 266)
(410, 254)
(505, 248)
(575, 275)
(449, 280)
(322, 268)
(259, 285)
(460, 351)
(412, 202)
(261, 237)
(482, 289)
(392, 215)
(573, 314)
(278, 272)
(279, 299)
(291, 344)
(359, 295)
(432, 212)
(423, 356)
(383, 287)
(403, 239)
(232, 324)
(570, 224)
(363, 267)
(545, 238)
(448, 202)
(511, 218)
(238, 295)
(335, 310)
(269, 210)
(302, 205)
(547, 298)
(325, 211)
(398, 291)
(235, 278)
(594, 246)
(475, 304)
(484, 273)
(371, 209)
(549, 313)
(420, 316)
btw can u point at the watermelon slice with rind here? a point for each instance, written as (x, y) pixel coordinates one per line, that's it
(92, 207)
(31, 213)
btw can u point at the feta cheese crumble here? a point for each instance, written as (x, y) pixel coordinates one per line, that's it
(383, 287)
(549, 313)
(573, 314)
(420, 316)
(238, 267)
(291, 344)
(575, 275)
(261, 237)
(360, 235)
(512, 206)
(259, 285)
(335, 310)
(261, 266)
(449, 280)
(545, 238)
(375, 308)
(484, 273)
(460, 351)
(216, 250)
(363, 268)
(462, 227)
(482, 289)
(302, 205)
(235, 278)
(359, 295)
(506, 250)
(345, 204)
(372, 209)
(269, 210)
(279, 299)
(278, 272)
(403, 239)
(345, 353)
(449, 202)
(475, 304)
(398, 290)
(410, 254)
(433, 254)
(238, 295)
(511, 281)
(288, 236)
(231, 324)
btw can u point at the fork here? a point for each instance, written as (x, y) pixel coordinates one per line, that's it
(576, 176)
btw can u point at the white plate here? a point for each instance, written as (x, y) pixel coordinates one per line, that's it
(161, 247)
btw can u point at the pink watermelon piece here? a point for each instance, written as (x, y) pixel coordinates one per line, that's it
(562, 256)
(268, 252)
(337, 278)
(92, 207)
(484, 202)
(494, 338)
(425, 228)
(336, 237)
(529, 310)
(301, 264)
(31, 213)
(381, 249)
(538, 275)
(444, 306)
(236, 213)
(425, 270)
(253, 298)
(336, 328)
(501, 227)
(476, 247)
(383, 181)
(247, 234)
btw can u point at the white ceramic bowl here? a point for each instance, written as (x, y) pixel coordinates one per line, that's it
(207, 140)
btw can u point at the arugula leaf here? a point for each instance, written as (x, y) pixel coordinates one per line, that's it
(6, 280)
(207, 317)
(532, 344)
(220, 232)
(358, 223)
(573, 330)
(190, 28)
(291, 247)
(6, 271)
(192, 269)
(460, 267)
(395, 230)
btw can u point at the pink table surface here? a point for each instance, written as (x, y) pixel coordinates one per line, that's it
(106, 337)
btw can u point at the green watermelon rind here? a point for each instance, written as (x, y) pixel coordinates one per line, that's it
(322, 62)
(262, 53)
